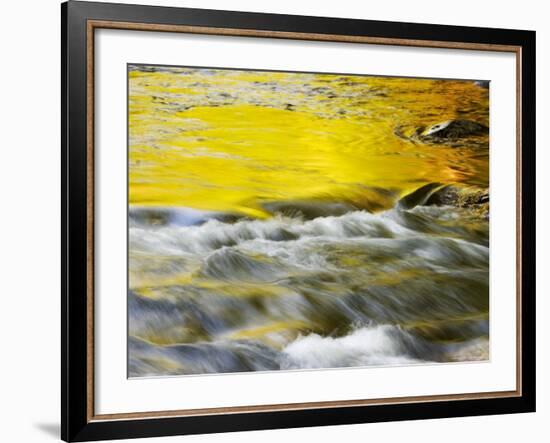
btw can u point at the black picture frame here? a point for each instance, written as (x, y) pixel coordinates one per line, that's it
(77, 424)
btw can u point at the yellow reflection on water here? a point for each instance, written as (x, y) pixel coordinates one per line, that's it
(227, 140)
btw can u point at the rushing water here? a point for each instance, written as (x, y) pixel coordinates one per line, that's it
(288, 221)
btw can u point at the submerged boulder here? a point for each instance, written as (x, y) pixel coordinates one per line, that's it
(453, 129)
(436, 194)
(419, 197)
(308, 210)
(460, 197)
(453, 133)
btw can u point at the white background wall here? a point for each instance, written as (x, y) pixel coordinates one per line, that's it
(30, 207)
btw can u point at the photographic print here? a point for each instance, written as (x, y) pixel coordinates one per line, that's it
(296, 220)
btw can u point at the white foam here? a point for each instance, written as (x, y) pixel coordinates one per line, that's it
(375, 345)
(208, 236)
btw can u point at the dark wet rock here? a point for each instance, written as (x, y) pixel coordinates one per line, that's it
(436, 194)
(453, 129)
(453, 196)
(227, 217)
(308, 210)
(482, 84)
(453, 133)
(418, 197)
(445, 196)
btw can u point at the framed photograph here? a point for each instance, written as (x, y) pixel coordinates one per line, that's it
(276, 221)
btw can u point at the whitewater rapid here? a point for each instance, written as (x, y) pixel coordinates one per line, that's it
(213, 294)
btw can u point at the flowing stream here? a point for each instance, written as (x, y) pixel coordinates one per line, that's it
(297, 221)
